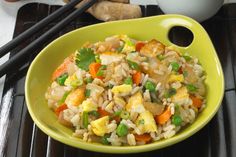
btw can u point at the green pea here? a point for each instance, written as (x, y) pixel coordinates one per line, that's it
(104, 139)
(150, 86)
(94, 113)
(128, 81)
(133, 65)
(85, 119)
(176, 120)
(87, 92)
(191, 87)
(89, 80)
(61, 79)
(122, 130)
(124, 115)
(175, 66)
(170, 92)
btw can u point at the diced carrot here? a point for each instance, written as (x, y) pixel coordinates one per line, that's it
(62, 68)
(137, 77)
(139, 45)
(60, 108)
(93, 69)
(143, 138)
(164, 117)
(197, 102)
(102, 112)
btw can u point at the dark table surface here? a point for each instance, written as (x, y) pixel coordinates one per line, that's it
(20, 137)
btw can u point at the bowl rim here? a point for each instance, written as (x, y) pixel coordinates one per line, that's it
(121, 149)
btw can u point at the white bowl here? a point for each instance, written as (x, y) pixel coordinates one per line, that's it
(200, 10)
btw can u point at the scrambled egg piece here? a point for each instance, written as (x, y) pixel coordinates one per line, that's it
(175, 78)
(76, 97)
(129, 45)
(88, 106)
(135, 103)
(110, 57)
(146, 122)
(73, 81)
(99, 126)
(181, 96)
(121, 89)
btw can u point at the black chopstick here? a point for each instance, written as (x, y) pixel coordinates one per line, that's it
(29, 32)
(15, 61)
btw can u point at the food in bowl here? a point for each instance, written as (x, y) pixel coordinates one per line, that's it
(122, 91)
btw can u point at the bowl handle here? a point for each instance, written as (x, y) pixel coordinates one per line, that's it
(199, 34)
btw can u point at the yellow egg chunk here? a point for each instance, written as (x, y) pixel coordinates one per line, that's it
(146, 122)
(121, 89)
(181, 96)
(88, 106)
(73, 81)
(135, 103)
(175, 78)
(99, 126)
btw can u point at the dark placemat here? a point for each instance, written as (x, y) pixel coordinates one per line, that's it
(21, 137)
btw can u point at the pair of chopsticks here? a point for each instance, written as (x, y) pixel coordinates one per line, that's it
(16, 60)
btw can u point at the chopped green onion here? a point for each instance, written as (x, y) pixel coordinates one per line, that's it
(175, 66)
(110, 86)
(117, 113)
(104, 139)
(94, 113)
(187, 58)
(124, 115)
(85, 119)
(100, 72)
(61, 79)
(64, 97)
(87, 92)
(133, 65)
(170, 92)
(89, 80)
(150, 86)
(122, 130)
(141, 121)
(128, 81)
(191, 87)
(176, 120)
(76, 83)
(97, 59)
(185, 73)
(160, 57)
(176, 109)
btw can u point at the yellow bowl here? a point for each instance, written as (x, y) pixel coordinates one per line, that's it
(40, 71)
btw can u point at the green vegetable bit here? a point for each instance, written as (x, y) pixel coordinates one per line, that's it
(84, 58)
(87, 92)
(191, 88)
(61, 79)
(76, 83)
(110, 86)
(128, 81)
(119, 49)
(101, 70)
(141, 121)
(176, 120)
(89, 80)
(133, 65)
(185, 73)
(160, 57)
(175, 66)
(85, 119)
(64, 97)
(187, 58)
(104, 139)
(117, 113)
(122, 130)
(124, 115)
(170, 92)
(97, 59)
(150, 86)
(94, 113)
